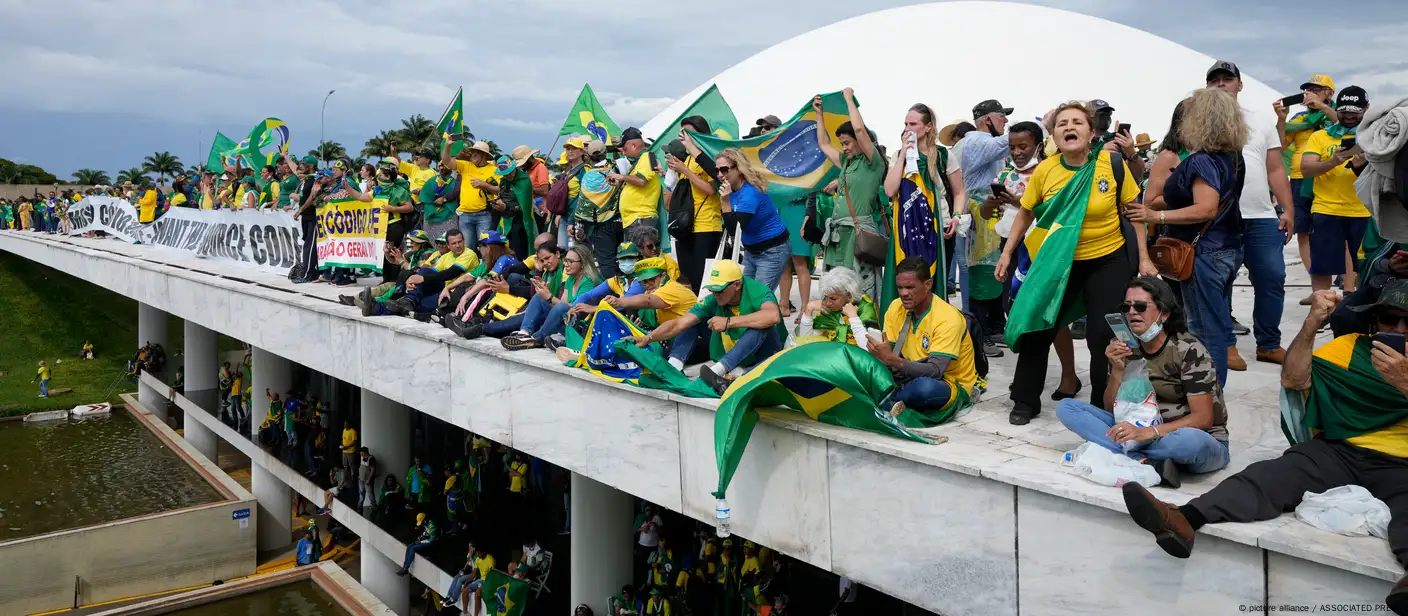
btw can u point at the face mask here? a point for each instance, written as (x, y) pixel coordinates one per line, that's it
(1031, 162)
(992, 130)
(626, 266)
(1152, 333)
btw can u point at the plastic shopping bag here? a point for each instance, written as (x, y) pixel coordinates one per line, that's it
(1135, 403)
(1108, 468)
(1347, 510)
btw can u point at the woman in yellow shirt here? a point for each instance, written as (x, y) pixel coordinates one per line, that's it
(700, 244)
(1100, 265)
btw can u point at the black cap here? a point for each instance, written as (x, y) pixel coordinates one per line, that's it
(769, 121)
(1099, 105)
(1352, 98)
(990, 106)
(1393, 295)
(631, 133)
(1223, 66)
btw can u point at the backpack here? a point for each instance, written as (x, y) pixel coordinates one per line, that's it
(557, 199)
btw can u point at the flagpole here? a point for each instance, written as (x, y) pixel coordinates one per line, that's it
(554, 147)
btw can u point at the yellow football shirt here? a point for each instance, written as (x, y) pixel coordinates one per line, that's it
(942, 331)
(1392, 440)
(678, 299)
(467, 259)
(708, 211)
(349, 440)
(418, 177)
(473, 199)
(641, 201)
(1100, 234)
(1334, 191)
(515, 484)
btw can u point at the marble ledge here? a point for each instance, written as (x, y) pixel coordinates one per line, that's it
(1369, 556)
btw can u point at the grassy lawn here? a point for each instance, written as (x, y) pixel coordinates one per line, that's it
(47, 314)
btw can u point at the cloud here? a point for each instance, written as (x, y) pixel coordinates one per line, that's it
(633, 110)
(523, 125)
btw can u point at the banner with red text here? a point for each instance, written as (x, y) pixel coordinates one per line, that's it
(352, 233)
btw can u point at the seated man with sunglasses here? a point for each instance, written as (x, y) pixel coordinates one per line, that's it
(1356, 408)
(1193, 435)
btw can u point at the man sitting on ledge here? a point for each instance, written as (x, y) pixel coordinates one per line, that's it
(1356, 390)
(423, 288)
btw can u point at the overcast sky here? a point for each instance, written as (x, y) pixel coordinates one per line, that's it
(100, 84)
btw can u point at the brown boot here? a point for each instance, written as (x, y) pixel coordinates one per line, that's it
(1171, 530)
(1274, 356)
(1398, 597)
(1235, 361)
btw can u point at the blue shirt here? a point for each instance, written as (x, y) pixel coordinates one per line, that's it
(594, 296)
(304, 552)
(1225, 172)
(984, 156)
(766, 223)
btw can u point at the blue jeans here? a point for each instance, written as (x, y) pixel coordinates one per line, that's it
(457, 586)
(1193, 449)
(44, 388)
(767, 266)
(542, 319)
(960, 260)
(1206, 303)
(756, 344)
(472, 224)
(925, 393)
(1261, 247)
(411, 553)
(499, 329)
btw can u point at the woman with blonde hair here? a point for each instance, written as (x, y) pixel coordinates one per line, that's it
(1076, 188)
(1201, 206)
(744, 196)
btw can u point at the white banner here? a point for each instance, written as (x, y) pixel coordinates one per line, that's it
(269, 240)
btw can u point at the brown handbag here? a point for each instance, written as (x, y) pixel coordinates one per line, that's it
(1174, 257)
(870, 247)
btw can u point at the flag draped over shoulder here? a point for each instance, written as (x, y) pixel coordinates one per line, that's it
(1052, 244)
(219, 149)
(504, 594)
(713, 108)
(914, 231)
(268, 132)
(831, 382)
(789, 157)
(452, 122)
(1345, 365)
(588, 117)
(608, 352)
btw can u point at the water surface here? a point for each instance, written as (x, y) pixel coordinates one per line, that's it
(302, 598)
(70, 474)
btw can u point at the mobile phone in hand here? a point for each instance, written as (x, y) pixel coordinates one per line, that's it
(998, 188)
(1294, 99)
(1392, 340)
(1348, 143)
(1123, 129)
(1120, 326)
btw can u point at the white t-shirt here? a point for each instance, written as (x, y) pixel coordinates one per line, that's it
(651, 537)
(533, 555)
(1256, 190)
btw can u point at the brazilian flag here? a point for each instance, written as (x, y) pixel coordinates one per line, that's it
(268, 132)
(607, 351)
(452, 122)
(504, 594)
(831, 382)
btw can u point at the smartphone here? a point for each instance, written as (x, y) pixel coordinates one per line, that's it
(1394, 341)
(1294, 99)
(1123, 129)
(1348, 143)
(998, 188)
(1120, 326)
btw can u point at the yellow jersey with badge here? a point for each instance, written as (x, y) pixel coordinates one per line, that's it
(708, 210)
(1334, 190)
(941, 331)
(417, 176)
(639, 202)
(1100, 233)
(473, 199)
(467, 259)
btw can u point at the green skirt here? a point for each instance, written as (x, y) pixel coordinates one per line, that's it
(793, 213)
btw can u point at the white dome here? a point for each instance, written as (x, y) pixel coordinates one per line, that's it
(1030, 58)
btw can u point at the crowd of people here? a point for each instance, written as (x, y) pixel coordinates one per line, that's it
(37, 212)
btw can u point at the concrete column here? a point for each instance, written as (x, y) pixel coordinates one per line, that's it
(204, 440)
(386, 431)
(379, 577)
(275, 508)
(601, 545)
(151, 327)
(271, 372)
(202, 358)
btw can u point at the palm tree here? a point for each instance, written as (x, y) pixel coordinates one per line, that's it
(194, 171)
(328, 150)
(135, 175)
(357, 164)
(90, 177)
(162, 164)
(494, 149)
(416, 131)
(381, 145)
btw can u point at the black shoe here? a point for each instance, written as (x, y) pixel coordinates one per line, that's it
(997, 339)
(347, 300)
(472, 331)
(403, 573)
(1022, 414)
(554, 341)
(401, 306)
(717, 381)
(423, 317)
(1239, 329)
(991, 350)
(1168, 472)
(1078, 330)
(1059, 395)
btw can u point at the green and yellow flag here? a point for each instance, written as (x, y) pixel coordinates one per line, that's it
(504, 594)
(831, 382)
(1052, 244)
(713, 108)
(789, 157)
(452, 122)
(219, 149)
(268, 132)
(588, 117)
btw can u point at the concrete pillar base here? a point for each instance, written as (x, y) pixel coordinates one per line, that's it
(379, 577)
(601, 555)
(273, 373)
(386, 431)
(204, 440)
(275, 508)
(151, 327)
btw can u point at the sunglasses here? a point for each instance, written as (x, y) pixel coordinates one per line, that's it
(572, 260)
(1139, 307)
(650, 246)
(724, 169)
(1391, 320)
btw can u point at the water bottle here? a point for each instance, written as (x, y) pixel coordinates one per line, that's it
(911, 154)
(721, 518)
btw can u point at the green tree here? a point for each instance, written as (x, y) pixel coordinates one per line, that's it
(328, 150)
(163, 164)
(357, 166)
(16, 173)
(494, 149)
(135, 175)
(381, 145)
(417, 132)
(91, 177)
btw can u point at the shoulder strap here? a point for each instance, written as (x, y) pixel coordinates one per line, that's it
(1117, 166)
(850, 206)
(904, 333)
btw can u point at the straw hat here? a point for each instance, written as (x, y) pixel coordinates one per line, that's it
(522, 153)
(946, 133)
